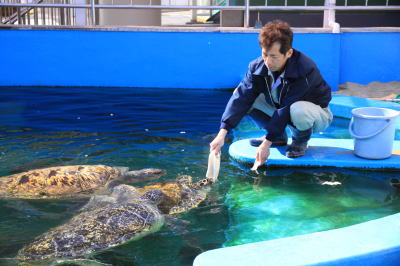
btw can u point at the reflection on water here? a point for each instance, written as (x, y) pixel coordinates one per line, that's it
(168, 129)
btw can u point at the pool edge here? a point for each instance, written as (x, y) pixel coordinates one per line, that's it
(374, 241)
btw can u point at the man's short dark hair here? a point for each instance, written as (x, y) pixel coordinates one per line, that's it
(276, 31)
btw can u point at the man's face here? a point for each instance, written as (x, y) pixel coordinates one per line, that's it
(273, 59)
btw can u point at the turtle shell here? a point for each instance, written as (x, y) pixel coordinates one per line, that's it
(57, 182)
(95, 230)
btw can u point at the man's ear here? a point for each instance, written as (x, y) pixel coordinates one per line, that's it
(289, 53)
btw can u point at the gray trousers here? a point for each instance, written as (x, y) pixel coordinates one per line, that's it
(304, 115)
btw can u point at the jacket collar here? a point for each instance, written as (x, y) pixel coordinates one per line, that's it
(291, 69)
(261, 69)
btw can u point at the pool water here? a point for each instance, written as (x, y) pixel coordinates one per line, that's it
(294, 202)
(169, 129)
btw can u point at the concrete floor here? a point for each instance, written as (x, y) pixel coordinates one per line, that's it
(182, 18)
(376, 90)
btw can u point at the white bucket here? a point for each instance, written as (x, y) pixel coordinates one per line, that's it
(373, 130)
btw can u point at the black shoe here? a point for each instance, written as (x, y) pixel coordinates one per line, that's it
(295, 150)
(300, 136)
(257, 142)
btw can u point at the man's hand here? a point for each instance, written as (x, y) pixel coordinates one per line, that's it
(218, 142)
(262, 154)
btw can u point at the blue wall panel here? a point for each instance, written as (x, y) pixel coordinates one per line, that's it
(323, 48)
(372, 56)
(180, 59)
(132, 59)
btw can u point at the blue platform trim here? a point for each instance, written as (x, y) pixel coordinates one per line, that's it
(376, 242)
(341, 106)
(321, 152)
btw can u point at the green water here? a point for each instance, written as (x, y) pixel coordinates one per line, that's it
(300, 203)
(169, 129)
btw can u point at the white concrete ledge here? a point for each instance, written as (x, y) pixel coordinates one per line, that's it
(207, 28)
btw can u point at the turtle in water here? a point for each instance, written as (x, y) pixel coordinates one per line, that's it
(69, 181)
(126, 214)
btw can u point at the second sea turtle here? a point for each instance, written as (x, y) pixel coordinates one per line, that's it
(69, 181)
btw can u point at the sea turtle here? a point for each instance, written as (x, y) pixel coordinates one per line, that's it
(127, 213)
(69, 181)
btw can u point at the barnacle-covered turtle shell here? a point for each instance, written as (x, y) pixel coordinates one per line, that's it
(57, 182)
(94, 230)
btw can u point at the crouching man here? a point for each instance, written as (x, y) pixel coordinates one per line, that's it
(283, 87)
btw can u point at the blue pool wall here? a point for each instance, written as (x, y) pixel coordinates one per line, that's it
(180, 59)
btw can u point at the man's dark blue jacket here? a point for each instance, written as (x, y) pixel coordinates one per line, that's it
(302, 82)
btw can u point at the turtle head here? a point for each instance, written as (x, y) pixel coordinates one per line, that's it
(122, 169)
(203, 183)
(153, 196)
(142, 175)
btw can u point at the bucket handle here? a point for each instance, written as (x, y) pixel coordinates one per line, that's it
(367, 136)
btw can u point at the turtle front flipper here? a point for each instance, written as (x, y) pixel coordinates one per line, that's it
(98, 201)
(189, 199)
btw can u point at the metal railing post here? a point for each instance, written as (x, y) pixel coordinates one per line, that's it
(194, 11)
(80, 14)
(92, 13)
(247, 14)
(329, 17)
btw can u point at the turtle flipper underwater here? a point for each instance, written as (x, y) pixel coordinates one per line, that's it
(69, 181)
(100, 228)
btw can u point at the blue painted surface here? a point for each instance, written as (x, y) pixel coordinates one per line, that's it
(324, 49)
(370, 56)
(321, 152)
(342, 105)
(180, 59)
(126, 59)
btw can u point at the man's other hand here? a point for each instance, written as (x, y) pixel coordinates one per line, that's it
(262, 154)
